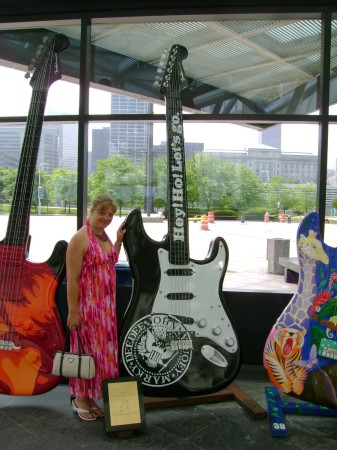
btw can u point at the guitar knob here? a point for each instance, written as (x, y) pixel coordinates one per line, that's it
(201, 323)
(216, 330)
(229, 342)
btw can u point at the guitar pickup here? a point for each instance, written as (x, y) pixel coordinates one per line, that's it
(180, 296)
(182, 272)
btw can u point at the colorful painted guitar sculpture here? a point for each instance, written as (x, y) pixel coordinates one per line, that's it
(300, 354)
(177, 336)
(30, 328)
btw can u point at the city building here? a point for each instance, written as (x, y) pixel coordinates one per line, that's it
(129, 139)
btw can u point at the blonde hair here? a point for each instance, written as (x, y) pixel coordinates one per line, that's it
(103, 200)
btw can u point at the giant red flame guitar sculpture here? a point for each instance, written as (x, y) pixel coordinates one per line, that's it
(30, 328)
(300, 354)
(177, 336)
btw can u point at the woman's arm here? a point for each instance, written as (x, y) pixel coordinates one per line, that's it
(74, 260)
(119, 237)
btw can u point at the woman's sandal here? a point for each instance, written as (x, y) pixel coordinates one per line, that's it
(97, 410)
(80, 411)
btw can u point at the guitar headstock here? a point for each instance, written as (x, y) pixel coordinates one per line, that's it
(171, 69)
(47, 55)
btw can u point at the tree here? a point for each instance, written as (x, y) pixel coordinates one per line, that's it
(334, 202)
(204, 176)
(62, 187)
(121, 178)
(248, 189)
(159, 182)
(7, 184)
(305, 198)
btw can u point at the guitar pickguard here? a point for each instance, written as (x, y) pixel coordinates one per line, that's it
(202, 311)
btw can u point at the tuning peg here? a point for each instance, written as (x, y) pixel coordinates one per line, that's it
(27, 75)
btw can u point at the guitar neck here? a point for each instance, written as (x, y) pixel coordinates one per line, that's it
(18, 222)
(177, 190)
(45, 73)
(171, 81)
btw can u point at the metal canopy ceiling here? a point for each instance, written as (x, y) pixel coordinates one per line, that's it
(233, 66)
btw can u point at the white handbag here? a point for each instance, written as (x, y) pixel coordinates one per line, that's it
(73, 365)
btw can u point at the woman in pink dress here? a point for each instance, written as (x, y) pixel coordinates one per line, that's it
(91, 294)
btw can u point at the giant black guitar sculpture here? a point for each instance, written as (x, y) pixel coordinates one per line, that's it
(177, 336)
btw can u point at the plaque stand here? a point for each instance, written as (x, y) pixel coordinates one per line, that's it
(230, 393)
(123, 406)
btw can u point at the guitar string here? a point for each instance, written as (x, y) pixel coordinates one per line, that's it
(19, 236)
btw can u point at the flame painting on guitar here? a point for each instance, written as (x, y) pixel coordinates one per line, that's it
(30, 327)
(177, 335)
(300, 354)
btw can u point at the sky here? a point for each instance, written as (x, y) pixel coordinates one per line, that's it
(63, 98)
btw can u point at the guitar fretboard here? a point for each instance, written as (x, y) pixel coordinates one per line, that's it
(177, 190)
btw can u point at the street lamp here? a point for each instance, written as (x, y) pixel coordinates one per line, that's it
(40, 189)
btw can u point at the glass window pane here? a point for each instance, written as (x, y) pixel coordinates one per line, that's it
(330, 235)
(51, 185)
(333, 63)
(233, 66)
(21, 58)
(239, 173)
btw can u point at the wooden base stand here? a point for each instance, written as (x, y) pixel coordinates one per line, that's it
(231, 393)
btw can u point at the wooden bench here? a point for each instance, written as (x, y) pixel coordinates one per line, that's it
(291, 268)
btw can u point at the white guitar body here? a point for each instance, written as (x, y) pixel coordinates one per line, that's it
(204, 308)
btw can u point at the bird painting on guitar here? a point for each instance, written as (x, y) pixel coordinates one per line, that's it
(30, 327)
(177, 335)
(300, 354)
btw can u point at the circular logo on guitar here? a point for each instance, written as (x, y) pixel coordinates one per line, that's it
(157, 349)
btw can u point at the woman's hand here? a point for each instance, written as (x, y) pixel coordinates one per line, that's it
(73, 321)
(120, 233)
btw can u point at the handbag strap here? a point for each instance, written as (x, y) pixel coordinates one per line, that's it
(67, 340)
(80, 352)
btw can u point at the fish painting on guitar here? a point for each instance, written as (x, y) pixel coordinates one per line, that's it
(177, 335)
(300, 353)
(30, 328)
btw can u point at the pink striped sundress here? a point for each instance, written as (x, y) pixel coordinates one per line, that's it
(97, 308)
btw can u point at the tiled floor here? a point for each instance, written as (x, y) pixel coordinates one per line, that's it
(47, 422)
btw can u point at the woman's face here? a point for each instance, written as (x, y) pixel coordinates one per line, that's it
(102, 216)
